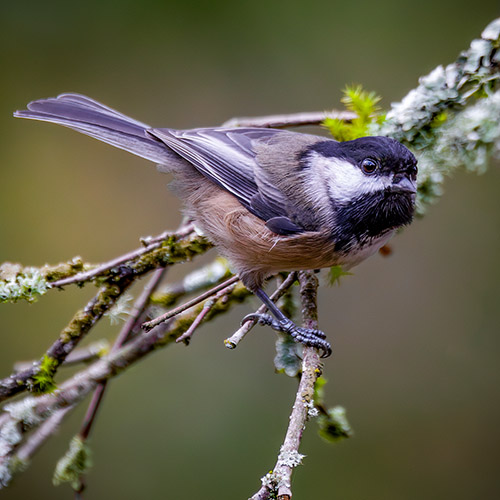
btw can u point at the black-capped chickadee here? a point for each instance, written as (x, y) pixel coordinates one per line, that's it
(270, 200)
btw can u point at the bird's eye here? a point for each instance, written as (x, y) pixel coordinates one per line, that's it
(369, 166)
(413, 171)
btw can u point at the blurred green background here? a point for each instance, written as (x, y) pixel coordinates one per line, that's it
(416, 336)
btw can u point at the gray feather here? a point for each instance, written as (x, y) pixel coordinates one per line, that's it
(89, 117)
(227, 157)
(230, 157)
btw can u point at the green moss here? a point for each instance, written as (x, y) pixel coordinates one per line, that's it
(83, 320)
(17, 465)
(65, 269)
(439, 119)
(186, 248)
(43, 380)
(365, 105)
(171, 252)
(335, 273)
(166, 299)
(319, 389)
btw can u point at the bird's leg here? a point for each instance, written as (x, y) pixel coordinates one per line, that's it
(306, 336)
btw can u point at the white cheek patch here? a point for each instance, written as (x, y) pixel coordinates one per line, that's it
(343, 180)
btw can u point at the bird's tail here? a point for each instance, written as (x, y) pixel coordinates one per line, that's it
(96, 120)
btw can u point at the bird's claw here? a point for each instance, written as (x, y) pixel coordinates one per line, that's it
(307, 336)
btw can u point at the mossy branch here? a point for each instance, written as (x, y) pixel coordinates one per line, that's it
(31, 412)
(115, 281)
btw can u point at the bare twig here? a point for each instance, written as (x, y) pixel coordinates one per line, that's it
(289, 120)
(233, 341)
(195, 281)
(139, 307)
(186, 336)
(135, 315)
(207, 307)
(170, 314)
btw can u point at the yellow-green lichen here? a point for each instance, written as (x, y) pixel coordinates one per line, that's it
(43, 380)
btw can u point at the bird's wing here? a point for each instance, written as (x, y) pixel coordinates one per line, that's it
(92, 118)
(228, 158)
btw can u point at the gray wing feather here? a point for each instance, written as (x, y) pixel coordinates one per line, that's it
(89, 117)
(98, 106)
(226, 156)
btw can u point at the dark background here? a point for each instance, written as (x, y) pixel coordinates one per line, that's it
(416, 338)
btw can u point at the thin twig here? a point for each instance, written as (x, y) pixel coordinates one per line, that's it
(88, 275)
(148, 325)
(183, 231)
(279, 481)
(152, 244)
(186, 336)
(47, 429)
(289, 120)
(207, 307)
(179, 250)
(71, 335)
(138, 309)
(73, 390)
(194, 282)
(233, 341)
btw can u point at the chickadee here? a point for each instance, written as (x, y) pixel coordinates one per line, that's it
(270, 200)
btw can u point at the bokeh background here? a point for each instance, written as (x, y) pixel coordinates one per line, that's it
(416, 336)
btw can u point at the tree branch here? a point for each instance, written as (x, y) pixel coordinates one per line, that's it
(152, 244)
(233, 341)
(278, 481)
(170, 314)
(133, 320)
(29, 413)
(290, 120)
(40, 376)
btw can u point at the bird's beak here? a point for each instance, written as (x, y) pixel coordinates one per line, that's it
(402, 183)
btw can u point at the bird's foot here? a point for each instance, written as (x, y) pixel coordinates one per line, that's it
(307, 336)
